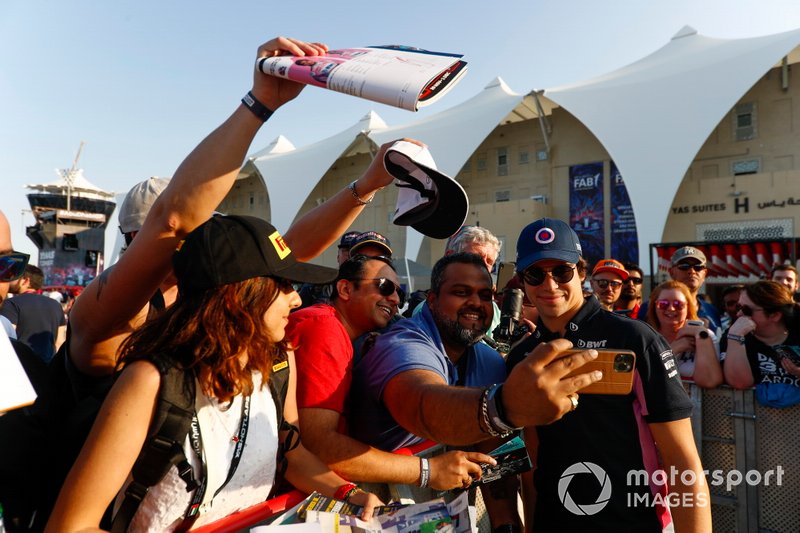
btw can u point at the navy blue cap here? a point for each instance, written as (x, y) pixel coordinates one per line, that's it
(547, 238)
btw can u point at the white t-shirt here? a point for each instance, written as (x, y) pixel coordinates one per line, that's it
(164, 506)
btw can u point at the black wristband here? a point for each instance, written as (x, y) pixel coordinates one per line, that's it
(261, 111)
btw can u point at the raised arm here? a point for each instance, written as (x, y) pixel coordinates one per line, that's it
(111, 305)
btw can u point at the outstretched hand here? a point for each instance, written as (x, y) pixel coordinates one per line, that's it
(537, 392)
(273, 91)
(457, 469)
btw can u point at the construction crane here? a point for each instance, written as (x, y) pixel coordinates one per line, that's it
(69, 175)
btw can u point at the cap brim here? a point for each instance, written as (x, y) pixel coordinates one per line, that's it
(445, 216)
(354, 249)
(308, 273)
(558, 255)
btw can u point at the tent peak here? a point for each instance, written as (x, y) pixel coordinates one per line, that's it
(372, 121)
(280, 145)
(686, 31)
(498, 82)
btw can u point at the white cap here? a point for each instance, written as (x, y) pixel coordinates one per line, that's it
(138, 202)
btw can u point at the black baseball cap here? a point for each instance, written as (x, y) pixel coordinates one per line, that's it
(232, 248)
(348, 238)
(371, 238)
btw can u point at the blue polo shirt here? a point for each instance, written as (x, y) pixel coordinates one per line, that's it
(411, 344)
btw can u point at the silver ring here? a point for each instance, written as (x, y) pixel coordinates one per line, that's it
(574, 399)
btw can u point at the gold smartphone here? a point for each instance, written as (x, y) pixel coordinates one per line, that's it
(617, 367)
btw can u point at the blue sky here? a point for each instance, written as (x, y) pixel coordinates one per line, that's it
(143, 82)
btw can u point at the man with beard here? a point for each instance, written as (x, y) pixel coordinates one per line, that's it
(438, 346)
(631, 296)
(443, 338)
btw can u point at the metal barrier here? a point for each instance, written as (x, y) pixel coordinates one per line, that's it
(741, 441)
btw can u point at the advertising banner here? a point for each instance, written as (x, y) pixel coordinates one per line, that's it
(624, 238)
(586, 208)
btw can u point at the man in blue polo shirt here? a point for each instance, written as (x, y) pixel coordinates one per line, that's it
(442, 338)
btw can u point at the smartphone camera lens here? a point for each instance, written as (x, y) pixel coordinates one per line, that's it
(623, 363)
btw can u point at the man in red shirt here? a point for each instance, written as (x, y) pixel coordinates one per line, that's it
(366, 297)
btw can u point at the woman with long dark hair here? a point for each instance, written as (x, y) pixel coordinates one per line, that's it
(226, 333)
(673, 313)
(760, 345)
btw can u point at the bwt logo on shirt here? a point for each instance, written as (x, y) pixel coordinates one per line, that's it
(590, 344)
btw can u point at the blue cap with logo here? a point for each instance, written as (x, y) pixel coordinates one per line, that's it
(547, 238)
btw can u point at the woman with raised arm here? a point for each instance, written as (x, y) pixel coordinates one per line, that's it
(224, 334)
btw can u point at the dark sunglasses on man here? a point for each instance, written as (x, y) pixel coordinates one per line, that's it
(535, 276)
(386, 287)
(632, 281)
(12, 266)
(687, 267)
(605, 283)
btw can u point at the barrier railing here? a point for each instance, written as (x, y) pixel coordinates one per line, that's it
(751, 455)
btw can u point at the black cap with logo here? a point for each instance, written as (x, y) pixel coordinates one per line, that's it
(232, 248)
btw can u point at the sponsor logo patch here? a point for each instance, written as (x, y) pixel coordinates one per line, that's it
(280, 246)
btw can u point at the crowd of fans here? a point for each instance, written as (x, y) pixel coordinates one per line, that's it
(212, 298)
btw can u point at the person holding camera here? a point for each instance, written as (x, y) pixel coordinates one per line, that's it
(615, 434)
(673, 313)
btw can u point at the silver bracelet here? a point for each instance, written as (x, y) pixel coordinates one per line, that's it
(484, 411)
(424, 472)
(352, 188)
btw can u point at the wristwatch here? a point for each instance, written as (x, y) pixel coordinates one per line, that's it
(737, 338)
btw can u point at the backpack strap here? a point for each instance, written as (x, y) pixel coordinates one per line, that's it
(279, 387)
(163, 448)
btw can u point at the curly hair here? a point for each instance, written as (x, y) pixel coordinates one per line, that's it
(691, 302)
(207, 333)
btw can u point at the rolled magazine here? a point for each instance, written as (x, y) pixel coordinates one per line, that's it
(395, 75)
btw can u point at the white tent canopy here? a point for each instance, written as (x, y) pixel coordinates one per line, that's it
(78, 185)
(654, 115)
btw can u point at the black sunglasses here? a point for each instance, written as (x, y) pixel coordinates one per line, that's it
(747, 310)
(12, 266)
(561, 274)
(633, 281)
(386, 287)
(686, 267)
(604, 283)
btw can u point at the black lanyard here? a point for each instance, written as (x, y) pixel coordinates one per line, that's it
(197, 445)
